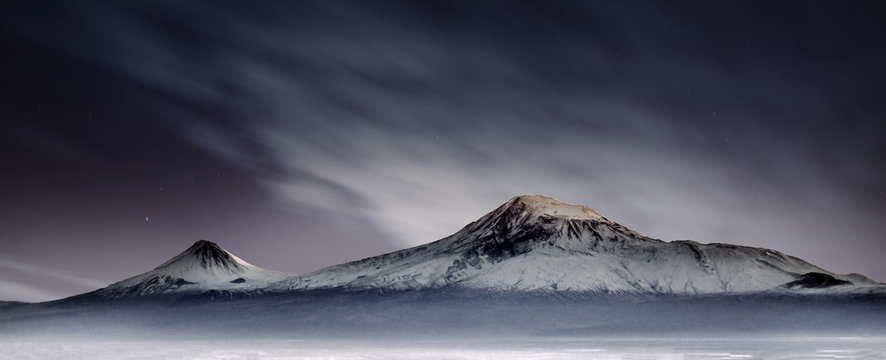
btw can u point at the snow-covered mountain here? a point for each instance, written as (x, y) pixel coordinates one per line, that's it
(531, 243)
(203, 266)
(546, 261)
(536, 243)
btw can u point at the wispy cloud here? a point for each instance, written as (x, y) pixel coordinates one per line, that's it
(19, 281)
(14, 291)
(420, 123)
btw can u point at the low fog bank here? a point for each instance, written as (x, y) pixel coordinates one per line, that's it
(778, 347)
(444, 315)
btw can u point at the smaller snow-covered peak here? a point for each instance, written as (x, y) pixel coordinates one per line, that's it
(201, 244)
(539, 205)
(201, 267)
(205, 248)
(208, 256)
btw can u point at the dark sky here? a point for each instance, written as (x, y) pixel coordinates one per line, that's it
(304, 134)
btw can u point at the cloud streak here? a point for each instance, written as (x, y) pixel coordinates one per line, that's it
(19, 281)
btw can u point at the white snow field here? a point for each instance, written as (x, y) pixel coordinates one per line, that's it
(622, 348)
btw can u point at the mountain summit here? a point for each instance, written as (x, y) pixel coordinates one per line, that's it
(526, 221)
(203, 266)
(536, 206)
(537, 243)
(209, 257)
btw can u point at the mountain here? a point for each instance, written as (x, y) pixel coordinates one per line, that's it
(203, 266)
(529, 244)
(537, 243)
(535, 266)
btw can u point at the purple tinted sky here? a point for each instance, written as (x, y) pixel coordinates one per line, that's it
(303, 135)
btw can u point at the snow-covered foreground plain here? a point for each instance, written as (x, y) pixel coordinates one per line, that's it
(538, 348)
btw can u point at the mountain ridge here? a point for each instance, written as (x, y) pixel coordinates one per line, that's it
(530, 243)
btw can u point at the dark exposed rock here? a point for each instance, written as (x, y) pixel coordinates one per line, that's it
(814, 280)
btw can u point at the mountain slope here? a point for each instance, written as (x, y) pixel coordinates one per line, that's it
(203, 266)
(534, 243)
